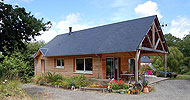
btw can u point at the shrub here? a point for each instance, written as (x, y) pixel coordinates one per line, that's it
(53, 77)
(118, 84)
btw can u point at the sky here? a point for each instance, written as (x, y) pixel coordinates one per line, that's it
(83, 14)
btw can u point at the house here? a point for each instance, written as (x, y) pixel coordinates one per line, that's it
(103, 51)
(145, 60)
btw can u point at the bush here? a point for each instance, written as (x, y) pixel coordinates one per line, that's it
(118, 84)
(58, 79)
(53, 77)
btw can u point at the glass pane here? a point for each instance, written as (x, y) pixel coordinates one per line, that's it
(62, 62)
(58, 63)
(88, 64)
(131, 65)
(79, 64)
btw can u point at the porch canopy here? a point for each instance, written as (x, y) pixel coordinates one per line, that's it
(153, 44)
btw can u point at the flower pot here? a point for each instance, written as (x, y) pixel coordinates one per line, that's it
(149, 87)
(137, 91)
(145, 90)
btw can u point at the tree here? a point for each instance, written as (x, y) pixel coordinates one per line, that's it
(174, 61)
(172, 40)
(185, 48)
(20, 64)
(18, 27)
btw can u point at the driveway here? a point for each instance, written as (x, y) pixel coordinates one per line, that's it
(165, 90)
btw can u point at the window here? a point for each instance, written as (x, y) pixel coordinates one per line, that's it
(84, 65)
(131, 65)
(59, 63)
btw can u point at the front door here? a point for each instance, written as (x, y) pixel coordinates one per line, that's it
(112, 68)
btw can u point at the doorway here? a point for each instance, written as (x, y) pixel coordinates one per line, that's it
(112, 68)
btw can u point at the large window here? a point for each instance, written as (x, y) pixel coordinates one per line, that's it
(84, 65)
(59, 63)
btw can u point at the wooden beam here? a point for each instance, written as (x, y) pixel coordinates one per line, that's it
(137, 57)
(153, 50)
(165, 65)
(149, 41)
(157, 31)
(153, 35)
(157, 42)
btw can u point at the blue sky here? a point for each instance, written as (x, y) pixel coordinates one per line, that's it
(82, 14)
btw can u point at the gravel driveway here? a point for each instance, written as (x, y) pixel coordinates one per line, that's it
(165, 90)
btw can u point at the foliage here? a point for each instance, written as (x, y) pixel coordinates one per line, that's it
(15, 67)
(11, 88)
(174, 61)
(58, 79)
(172, 40)
(52, 77)
(185, 46)
(18, 27)
(118, 84)
(182, 77)
(145, 68)
(19, 65)
(145, 82)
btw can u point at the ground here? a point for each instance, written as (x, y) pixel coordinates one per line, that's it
(168, 89)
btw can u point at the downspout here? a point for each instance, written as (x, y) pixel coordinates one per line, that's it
(98, 66)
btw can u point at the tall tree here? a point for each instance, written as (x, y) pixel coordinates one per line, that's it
(186, 46)
(18, 27)
(174, 60)
(172, 40)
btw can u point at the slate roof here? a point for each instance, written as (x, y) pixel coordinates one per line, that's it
(117, 37)
(145, 59)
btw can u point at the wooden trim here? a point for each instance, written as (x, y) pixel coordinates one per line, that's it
(157, 42)
(149, 40)
(159, 36)
(137, 57)
(153, 50)
(165, 65)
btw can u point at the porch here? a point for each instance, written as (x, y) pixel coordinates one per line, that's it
(153, 44)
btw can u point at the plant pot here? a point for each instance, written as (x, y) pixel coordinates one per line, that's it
(136, 91)
(145, 90)
(149, 87)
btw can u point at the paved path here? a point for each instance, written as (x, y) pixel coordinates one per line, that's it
(165, 90)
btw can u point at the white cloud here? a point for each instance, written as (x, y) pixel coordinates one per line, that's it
(148, 8)
(61, 27)
(180, 27)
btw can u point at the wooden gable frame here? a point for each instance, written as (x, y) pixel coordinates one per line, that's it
(153, 44)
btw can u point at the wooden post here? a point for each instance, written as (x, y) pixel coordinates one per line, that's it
(165, 64)
(137, 65)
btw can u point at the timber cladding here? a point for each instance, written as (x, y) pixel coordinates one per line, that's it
(69, 64)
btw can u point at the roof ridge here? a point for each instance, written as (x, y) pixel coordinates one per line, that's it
(110, 24)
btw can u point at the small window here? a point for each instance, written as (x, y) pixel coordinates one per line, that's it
(60, 63)
(84, 65)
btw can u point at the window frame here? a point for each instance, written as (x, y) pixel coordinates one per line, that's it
(129, 67)
(83, 71)
(61, 59)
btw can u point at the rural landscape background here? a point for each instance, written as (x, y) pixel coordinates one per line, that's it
(19, 29)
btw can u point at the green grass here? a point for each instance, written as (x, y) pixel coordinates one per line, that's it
(12, 89)
(181, 77)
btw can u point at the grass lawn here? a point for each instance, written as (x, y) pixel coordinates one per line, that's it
(11, 90)
(181, 77)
